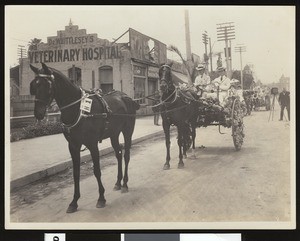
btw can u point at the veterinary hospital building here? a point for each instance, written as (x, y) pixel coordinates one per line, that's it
(91, 62)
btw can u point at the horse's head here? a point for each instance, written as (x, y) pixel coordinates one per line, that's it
(165, 78)
(42, 87)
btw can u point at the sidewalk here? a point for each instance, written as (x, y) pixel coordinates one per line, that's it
(36, 158)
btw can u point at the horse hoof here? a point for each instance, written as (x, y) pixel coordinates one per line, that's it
(101, 203)
(124, 189)
(72, 209)
(166, 167)
(184, 156)
(117, 187)
(180, 165)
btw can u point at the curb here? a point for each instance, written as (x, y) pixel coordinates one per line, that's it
(30, 178)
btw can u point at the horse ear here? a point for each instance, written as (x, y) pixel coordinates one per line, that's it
(34, 69)
(171, 63)
(46, 69)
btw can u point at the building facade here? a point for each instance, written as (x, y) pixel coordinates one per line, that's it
(92, 62)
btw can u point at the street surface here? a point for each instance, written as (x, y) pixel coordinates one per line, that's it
(221, 184)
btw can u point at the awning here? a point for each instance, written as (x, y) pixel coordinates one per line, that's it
(179, 78)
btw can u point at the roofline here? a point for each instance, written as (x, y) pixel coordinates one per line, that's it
(147, 36)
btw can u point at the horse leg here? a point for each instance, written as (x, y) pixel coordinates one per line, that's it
(127, 140)
(75, 154)
(193, 139)
(183, 144)
(166, 127)
(97, 172)
(184, 149)
(180, 145)
(118, 153)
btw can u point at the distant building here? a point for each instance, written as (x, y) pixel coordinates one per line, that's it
(283, 82)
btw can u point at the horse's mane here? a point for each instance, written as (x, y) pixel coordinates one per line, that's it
(63, 77)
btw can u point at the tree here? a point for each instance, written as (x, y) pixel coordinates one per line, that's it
(248, 79)
(236, 74)
(34, 43)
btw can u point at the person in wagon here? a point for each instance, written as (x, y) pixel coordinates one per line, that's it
(236, 89)
(202, 81)
(222, 84)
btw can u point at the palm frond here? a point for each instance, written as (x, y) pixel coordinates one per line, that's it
(176, 50)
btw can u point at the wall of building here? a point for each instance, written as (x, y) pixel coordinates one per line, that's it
(75, 48)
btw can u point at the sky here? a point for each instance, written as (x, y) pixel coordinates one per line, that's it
(268, 32)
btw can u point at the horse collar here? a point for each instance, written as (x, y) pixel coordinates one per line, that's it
(51, 76)
(165, 65)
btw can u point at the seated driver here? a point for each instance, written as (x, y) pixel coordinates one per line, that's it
(202, 80)
(222, 84)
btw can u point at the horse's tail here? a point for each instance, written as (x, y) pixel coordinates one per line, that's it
(132, 106)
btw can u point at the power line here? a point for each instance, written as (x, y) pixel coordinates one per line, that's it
(20, 40)
(226, 32)
(241, 48)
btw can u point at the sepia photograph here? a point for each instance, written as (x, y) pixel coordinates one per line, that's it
(150, 117)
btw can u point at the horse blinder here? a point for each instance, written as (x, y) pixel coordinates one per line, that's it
(35, 82)
(33, 87)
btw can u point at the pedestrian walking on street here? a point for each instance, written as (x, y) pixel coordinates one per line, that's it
(284, 101)
(156, 101)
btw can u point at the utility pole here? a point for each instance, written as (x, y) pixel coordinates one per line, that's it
(226, 32)
(205, 41)
(241, 48)
(21, 51)
(187, 36)
(210, 56)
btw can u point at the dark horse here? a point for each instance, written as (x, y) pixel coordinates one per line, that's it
(108, 116)
(178, 107)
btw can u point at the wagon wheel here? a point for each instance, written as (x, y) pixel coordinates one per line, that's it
(237, 124)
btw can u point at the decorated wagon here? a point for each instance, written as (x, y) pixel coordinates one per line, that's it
(211, 113)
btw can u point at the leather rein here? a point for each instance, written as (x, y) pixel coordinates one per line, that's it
(84, 95)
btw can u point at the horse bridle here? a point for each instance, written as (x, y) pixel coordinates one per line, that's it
(50, 79)
(167, 82)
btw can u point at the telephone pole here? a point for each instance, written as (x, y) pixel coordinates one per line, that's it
(205, 41)
(21, 51)
(187, 36)
(226, 32)
(210, 56)
(241, 48)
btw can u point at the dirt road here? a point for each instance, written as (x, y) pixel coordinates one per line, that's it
(221, 184)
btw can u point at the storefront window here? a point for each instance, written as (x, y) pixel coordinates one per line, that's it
(139, 89)
(139, 73)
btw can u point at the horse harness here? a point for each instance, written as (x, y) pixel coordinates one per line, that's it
(85, 114)
(82, 113)
(178, 95)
